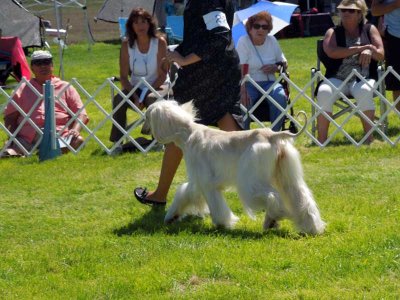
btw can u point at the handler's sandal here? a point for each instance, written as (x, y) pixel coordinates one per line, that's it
(141, 194)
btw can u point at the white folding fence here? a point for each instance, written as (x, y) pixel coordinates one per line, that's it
(98, 129)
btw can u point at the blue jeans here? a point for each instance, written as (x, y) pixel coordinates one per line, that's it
(277, 93)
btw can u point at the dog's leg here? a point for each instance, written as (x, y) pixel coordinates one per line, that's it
(262, 196)
(256, 168)
(221, 214)
(295, 193)
(187, 201)
(275, 211)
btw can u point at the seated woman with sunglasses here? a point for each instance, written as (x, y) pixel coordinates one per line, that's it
(142, 55)
(351, 45)
(261, 54)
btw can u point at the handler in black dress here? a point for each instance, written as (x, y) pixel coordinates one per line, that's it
(209, 76)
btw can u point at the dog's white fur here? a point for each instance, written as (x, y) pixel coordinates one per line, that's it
(263, 165)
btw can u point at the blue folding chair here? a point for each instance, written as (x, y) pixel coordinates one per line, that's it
(174, 29)
(122, 27)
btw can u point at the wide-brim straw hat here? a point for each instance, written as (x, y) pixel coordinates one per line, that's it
(348, 5)
(354, 4)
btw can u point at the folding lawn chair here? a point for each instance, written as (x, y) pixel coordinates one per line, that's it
(262, 113)
(343, 106)
(174, 29)
(122, 27)
(7, 69)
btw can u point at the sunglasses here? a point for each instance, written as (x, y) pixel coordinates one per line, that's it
(42, 62)
(258, 26)
(348, 10)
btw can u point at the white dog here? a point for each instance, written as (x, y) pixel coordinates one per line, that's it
(263, 165)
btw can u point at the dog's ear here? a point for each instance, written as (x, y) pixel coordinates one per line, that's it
(190, 108)
(146, 129)
(163, 123)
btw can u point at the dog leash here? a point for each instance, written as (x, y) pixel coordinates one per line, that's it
(170, 83)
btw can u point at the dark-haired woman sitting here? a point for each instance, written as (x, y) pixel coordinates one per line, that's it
(142, 54)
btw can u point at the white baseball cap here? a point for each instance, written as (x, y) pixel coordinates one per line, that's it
(41, 54)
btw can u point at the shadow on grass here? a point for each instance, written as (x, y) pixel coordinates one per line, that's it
(341, 140)
(99, 152)
(112, 41)
(153, 222)
(391, 133)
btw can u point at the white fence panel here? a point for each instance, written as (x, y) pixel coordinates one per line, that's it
(300, 98)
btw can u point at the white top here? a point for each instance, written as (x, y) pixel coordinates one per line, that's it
(270, 53)
(143, 64)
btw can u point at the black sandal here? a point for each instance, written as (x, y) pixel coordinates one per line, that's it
(141, 194)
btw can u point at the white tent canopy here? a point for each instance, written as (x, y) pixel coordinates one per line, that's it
(15, 20)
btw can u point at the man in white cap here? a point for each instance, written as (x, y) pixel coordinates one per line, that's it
(26, 99)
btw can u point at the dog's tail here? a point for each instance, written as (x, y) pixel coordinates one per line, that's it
(287, 134)
(294, 191)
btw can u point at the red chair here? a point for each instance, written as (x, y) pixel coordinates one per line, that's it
(12, 60)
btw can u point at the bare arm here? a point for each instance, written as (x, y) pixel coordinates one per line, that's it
(76, 128)
(376, 47)
(124, 71)
(124, 67)
(244, 97)
(77, 125)
(161, 70)
(334, 51)
(10, 121)
(378, 8)
(270, 69)
(183, 60)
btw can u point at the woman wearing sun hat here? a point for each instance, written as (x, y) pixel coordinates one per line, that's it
(351, 45)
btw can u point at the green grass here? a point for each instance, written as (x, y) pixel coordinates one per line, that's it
(70, 227)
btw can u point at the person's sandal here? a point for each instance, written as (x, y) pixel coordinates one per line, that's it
(141, 194)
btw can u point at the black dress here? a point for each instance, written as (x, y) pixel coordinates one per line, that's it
(213, 82)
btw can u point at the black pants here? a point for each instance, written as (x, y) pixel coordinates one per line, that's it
(392, 44)
(120, 115)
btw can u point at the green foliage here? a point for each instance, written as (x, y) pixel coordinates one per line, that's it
(71, 228)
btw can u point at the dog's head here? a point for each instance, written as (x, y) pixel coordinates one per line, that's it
(166, 120)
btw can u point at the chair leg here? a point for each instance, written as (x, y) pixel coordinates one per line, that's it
(396, 94)
(314, 122)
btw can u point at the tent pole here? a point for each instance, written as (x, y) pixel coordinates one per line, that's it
(89, 36)
(154, 8)
(60, 43)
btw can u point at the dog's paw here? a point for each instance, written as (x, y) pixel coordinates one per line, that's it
(172, 219)
(270, 224)
(228, 224)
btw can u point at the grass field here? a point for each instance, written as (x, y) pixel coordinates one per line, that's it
(70, 227)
